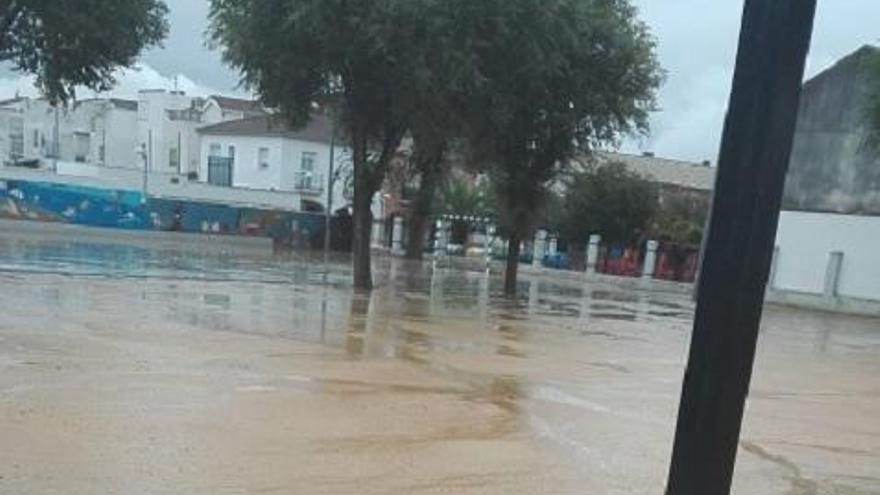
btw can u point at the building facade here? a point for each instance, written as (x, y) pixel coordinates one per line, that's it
(263, 152)
(99, 131)
(830, 224)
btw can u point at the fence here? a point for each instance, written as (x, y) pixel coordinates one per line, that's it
(77, 204)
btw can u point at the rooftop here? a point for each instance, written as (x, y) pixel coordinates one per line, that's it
(237, 104)
(318, 128)
(689, 175)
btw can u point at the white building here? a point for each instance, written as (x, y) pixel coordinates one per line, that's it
(222, 108)
(829, 229)
(99, 131)
(264, 153)
(109, 132)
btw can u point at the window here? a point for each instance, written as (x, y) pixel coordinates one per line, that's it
(143, 110)
(16, 138)
(36, 138)
(308, 161)
(263, 158)
(102, 153)
(231, 154)
(83, 145)
(174, 158)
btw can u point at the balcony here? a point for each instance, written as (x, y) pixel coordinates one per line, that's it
(309, 183)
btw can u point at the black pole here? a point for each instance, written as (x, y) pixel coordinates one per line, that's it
(755, 149)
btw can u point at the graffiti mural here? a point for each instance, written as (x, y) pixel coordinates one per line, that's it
(110, 208)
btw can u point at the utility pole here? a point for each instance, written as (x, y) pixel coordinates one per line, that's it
(755, 150)
(328, 212)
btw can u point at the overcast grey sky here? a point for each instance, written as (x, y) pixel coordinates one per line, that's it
(696, 39)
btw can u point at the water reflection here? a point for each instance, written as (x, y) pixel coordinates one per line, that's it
(433, 359)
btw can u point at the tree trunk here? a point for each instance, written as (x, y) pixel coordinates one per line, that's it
(510, 273)
(363, 215)
(419, 216)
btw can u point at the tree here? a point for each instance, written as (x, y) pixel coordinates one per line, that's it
(77, 42)
(363, 54)
(462, 198)
(435, 117)
(606, 199)
(556, 77)
(681, 218)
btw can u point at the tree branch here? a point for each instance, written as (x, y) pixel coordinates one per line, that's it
(13, 12)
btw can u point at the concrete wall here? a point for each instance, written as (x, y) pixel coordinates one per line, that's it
(158, 185)
(833, 169)
(806, 241)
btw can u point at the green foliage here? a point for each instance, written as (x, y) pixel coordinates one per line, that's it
(463, 198)
(556, 78)
(367, 58)
(682, 218)
(360, 54)
(609, 200)
(77, 42)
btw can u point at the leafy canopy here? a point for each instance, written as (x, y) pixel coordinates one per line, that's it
(557, 77)
(70, 43)
(358, 53)
(609, 200)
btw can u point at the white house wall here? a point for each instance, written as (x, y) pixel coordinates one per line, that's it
(806, 241)
(212, 113)
(294, 150)
(121, 140)
(246, 171)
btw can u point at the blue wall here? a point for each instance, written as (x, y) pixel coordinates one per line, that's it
(111, 208)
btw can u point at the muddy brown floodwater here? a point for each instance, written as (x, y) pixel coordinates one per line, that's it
(130, 371)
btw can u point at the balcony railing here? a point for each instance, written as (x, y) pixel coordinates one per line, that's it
(309, 183)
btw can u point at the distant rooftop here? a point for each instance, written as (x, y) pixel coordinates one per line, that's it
(237, 104)
(689, 175)
(119, 103)
(317, 130)
(11, 101)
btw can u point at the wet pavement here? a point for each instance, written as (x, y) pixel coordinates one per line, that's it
(125, 370)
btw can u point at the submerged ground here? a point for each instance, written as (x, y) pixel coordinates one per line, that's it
(126, 370)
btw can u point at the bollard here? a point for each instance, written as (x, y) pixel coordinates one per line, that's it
(650, 260)
(540, 245)
(832, 275)
(397, 236)
(593, 253)
(490, 232)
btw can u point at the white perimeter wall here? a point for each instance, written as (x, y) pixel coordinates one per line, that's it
(805, 242)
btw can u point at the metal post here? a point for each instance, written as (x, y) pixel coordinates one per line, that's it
(328, 212)
(56, 155)
(753, 161)
(487, 244)
(148, 162)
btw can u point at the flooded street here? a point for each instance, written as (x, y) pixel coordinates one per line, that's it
(126, 370)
